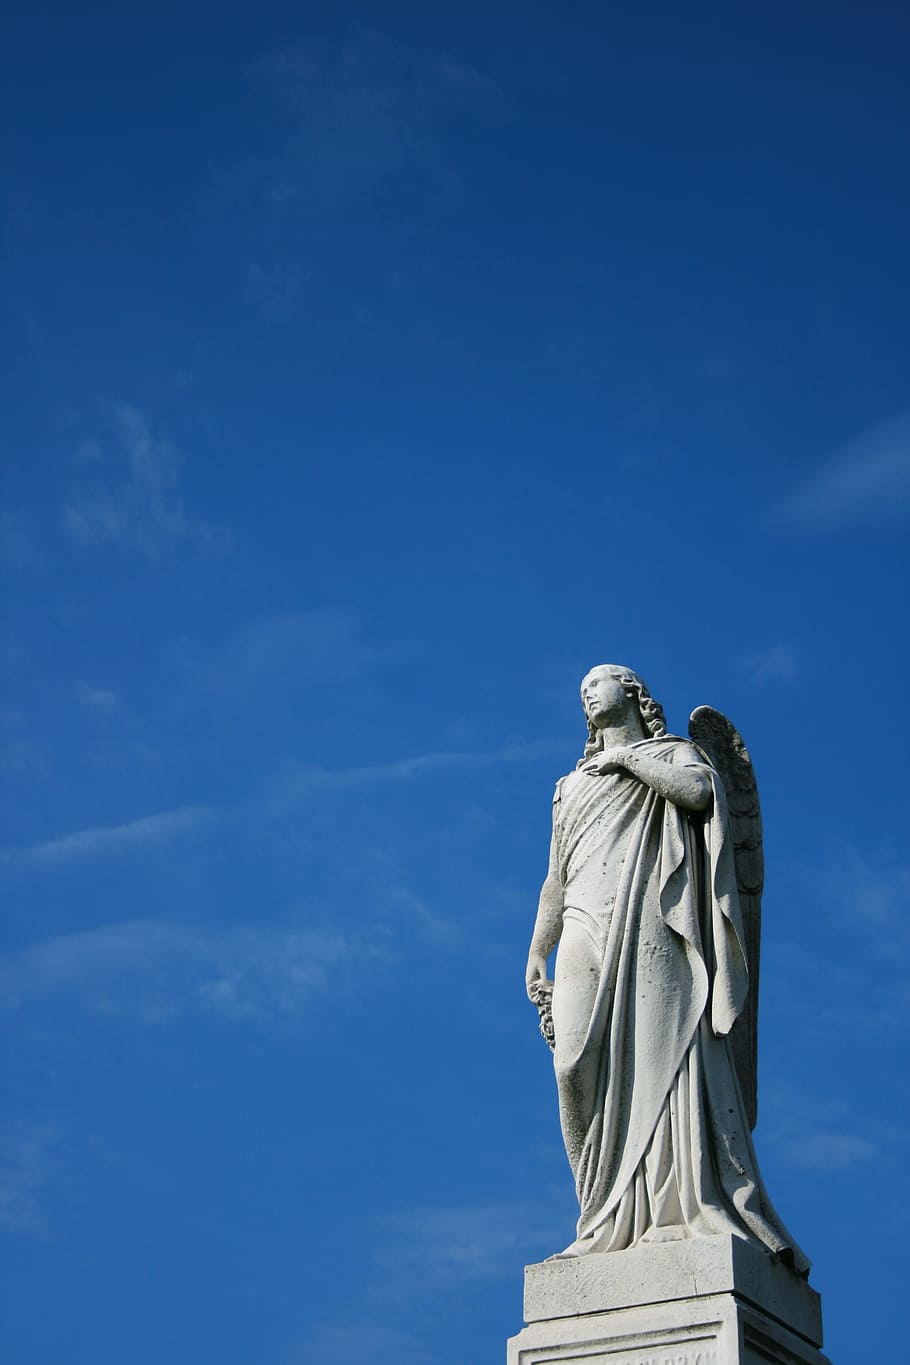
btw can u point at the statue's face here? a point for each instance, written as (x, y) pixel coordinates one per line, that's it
(604, 697)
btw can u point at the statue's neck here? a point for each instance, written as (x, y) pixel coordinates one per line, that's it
(624, 732)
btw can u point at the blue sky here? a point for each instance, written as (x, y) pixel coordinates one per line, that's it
(371, 372)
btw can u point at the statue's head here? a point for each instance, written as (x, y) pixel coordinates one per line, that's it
(609, 689)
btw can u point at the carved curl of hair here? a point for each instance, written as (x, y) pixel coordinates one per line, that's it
(651, 712)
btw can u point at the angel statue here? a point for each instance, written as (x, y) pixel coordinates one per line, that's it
(653, 895)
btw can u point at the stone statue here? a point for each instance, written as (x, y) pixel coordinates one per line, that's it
(653, 896)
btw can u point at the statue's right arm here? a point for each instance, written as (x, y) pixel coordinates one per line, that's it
(547, 926)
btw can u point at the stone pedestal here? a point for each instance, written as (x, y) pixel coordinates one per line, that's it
(708, 1301)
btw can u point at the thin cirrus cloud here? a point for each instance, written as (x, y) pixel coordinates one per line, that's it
(156, 971)
(30, 1162)
(130, 496)
(370, 1341)
(102, 699)
(279, 794)
(296, 782)
(19, 546)
(778, 663)
(349, 123)
(810, 1131)
(831, 1005)
(468, 1242)
(852, 983)
(421, 1250)
(866, 484)
(131, 837)
(870, 897)
(302, 646)
(22, 757)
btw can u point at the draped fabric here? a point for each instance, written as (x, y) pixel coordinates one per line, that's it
(650, 977)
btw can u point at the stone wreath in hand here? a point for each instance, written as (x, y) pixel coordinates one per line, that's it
(541, 992)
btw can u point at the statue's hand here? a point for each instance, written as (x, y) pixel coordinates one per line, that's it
(608, 761)
(537, 971)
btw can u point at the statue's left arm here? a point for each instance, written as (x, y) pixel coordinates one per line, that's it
(688, 787)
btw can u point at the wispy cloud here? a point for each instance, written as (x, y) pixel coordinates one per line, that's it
(155, 971)
(102, 699)
(811, 1131)
(366, 111)
(29, 1162)
(19, 546)
(480, 1241)
(132, 836)
(838, 1000)
(286, 649)
(370, 1340)
(301, 779)
(116, 736)
(430, 926)
(130, 496)
(22, 757)
(850, 982)
(276, 798)
(871, 897)
(865, 484)
(426, 1250)
(349, 124)
(778, 663)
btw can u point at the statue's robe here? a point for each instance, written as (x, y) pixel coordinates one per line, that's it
(650, 1105)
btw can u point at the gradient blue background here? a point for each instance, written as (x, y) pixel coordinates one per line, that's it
(371, 371)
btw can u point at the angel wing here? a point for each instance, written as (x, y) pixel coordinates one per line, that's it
(723, 744)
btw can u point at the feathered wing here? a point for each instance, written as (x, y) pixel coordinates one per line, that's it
(723, 744)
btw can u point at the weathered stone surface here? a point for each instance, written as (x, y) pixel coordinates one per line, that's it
(652, 897)
(672, 1271)
(709, 1301)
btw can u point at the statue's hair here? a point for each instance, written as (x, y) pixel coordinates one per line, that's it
(651, 711)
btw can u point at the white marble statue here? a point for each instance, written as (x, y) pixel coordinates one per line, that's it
(652, 896)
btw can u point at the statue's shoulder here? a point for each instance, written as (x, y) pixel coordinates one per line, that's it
(677, 749)
(565, 784)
